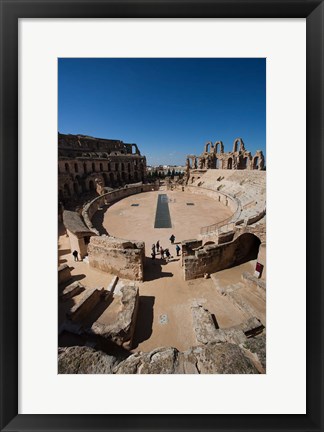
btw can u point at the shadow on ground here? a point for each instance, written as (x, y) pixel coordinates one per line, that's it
(153, 269)
(144, 324)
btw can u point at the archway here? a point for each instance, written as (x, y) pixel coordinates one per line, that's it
(93, 167)
(76, 168)
(247, 248)
(255, 162)
(91, 185)
(67, 167)
(229, 163)
(217, 163)
(84, 167)
(101, 167)
(245, 162)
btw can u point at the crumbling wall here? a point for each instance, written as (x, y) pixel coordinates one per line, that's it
(212, 258)
(122, 258)
(85, 305)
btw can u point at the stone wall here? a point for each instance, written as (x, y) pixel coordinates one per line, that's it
(123, 258)
(212, 258)
(90, 209)
(85, 305)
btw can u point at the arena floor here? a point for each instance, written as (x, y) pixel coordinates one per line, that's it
(164, 315)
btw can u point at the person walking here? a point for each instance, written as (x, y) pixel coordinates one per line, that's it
(153, 255)
(161, 252)
(172, 238)
(177, 249)
(167, 253)
(158, 246)
(153, 248)
(75, 254)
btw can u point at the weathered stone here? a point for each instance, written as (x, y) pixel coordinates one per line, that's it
(220, 358)
(90, 298)
(84, 360)
(203, 324)
(72, 290)
(257, 346)
(117, 256)
(122, 329)
(159, 361)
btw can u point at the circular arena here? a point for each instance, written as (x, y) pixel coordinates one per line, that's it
(210, 292)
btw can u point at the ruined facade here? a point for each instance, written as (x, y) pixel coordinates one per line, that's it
(86, 163)
(214, 157)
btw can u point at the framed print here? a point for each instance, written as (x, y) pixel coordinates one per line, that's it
(133, 126)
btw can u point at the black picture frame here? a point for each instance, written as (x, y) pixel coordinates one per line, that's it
(11, 11)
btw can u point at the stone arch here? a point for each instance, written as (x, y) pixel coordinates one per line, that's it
(255, 164)
(116, 166)
(67, 167)
(217, 163)
(109, 167)
(76, 167)
(229, 163)
(91, 185)
(247, 248)
(122, 166)
(85, 167)
(93, 166)
(240, 142)
(134, 146)
(101, 167)
(208, 146)
(246, 162)
(218, 145)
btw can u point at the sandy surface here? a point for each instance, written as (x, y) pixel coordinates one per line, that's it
(164, 316)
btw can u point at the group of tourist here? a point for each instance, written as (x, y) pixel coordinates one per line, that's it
(164, 253)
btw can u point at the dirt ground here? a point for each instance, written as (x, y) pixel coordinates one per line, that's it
(164, 315)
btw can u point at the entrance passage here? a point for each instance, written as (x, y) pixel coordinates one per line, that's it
(162, 215)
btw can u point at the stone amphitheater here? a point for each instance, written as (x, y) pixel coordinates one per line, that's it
(203, 310)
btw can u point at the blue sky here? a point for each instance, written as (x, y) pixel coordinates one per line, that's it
(168, 107)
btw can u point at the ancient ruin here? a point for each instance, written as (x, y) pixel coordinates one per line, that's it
(125, 309)
(86, 164)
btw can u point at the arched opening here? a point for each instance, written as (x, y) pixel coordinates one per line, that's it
(76, 168)
(101, 166)
(247, 248)
(67, 167)
(122, 167)
(78, 179)
(256, 162)
(229, 163)
(217, 163)
(123, 176)
(116, 166)
(84, 167)
(245, 162)
(109, 168)
(93, 167)
(91, 185)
